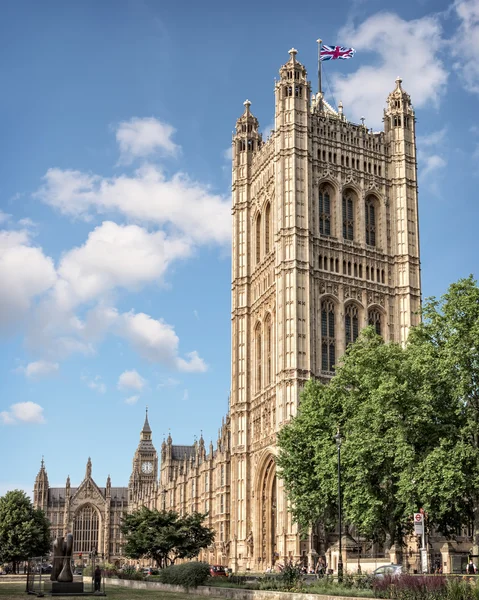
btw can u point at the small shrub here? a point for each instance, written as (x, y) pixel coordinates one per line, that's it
(130, 573)
(188, 575)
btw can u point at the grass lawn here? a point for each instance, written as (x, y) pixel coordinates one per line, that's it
(13, 591)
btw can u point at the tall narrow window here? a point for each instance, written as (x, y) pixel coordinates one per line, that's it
(324, 212)
(374, 319)
(370, 222)
(258, 239)
(269, 344)
(85, 529)
(258, 351)
(351, 323)
(328, 343)
(267, 229)
(348, 218)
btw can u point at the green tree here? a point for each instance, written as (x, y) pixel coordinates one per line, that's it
(24, 530)
(375, 398)
(164, 536)
(445, 350)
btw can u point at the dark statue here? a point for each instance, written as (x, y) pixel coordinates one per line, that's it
(62, 559)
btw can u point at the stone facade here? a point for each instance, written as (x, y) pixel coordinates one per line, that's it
(325, 242)
(90, 512)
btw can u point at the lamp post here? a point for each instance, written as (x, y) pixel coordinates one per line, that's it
(339, 439)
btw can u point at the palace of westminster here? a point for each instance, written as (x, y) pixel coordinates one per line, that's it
(325, 242)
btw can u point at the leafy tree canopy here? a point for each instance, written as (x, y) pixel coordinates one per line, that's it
(164, 536)
(373, 400)
(410, 421)
(445, 350)
(24, 530)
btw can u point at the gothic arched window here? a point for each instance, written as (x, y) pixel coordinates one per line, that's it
(324, 212)
(269, 345)
(258, 357)
(370, 221)
(85, 529)
(258, 239)
(328, 341)
(267, 229)
(348, 217)
(374, 319)
(351, 322)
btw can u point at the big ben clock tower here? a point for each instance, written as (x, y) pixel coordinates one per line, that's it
(144, 476)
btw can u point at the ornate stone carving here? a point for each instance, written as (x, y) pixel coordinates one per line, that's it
(353, 293)
(327, 287)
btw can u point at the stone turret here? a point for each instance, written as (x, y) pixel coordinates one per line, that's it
(40, 490)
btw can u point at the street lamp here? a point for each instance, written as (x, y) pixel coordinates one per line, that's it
(339, 439)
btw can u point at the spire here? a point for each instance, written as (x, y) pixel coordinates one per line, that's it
(146, 426)
(68, 482)
(88, 469)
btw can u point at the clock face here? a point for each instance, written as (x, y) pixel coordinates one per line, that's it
(147, 467)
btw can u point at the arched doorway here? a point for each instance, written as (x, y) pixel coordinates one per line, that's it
(86, 527)
(268, 515)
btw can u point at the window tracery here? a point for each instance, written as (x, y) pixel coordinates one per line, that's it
(269, 344)
(258, 363)
(85, 529)
(258, 239)
(348, 217)
(351, 322)
(267, 229)
(328, 341)
(324, 211)
(374, 319)
(370, 221)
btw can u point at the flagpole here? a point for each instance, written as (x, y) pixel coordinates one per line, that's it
(320, 91)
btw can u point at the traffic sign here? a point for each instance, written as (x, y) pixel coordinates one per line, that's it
(418, 523)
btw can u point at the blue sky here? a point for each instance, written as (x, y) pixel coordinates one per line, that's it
(116, 121)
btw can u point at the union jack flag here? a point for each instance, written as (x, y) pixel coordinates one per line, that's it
(334, 52)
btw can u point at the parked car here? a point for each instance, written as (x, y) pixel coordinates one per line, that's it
(218, 571)
(388, 570)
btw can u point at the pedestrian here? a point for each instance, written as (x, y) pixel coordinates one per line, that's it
(97, 579)
(471, 568)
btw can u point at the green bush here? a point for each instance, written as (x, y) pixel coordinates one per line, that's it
(130, 572)
(188, 575)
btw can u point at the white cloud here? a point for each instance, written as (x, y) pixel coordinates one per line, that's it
(465, 43)
(148, 197)
(432, 139)
(195, 364)
(138, 138)
(6, 418)
(4, 217)
(132, 400)
(168, 382)
(429, 148)
(157, 341)
(25, 273)
(131, 380)
(27, 222)
(186, 395)
(115, 256)
(95, 384)
(409, 49)
(24, 412)
(432, 163)
(39, 368)
(228, 154)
